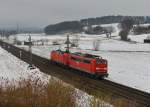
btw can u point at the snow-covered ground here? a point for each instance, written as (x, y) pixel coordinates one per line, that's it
(138, 38)
(131, 69)
(128, 61)
(13, 70)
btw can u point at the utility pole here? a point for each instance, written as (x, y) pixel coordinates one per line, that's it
(67, 42)
(17, 30)
(30, 49)
(30, 53)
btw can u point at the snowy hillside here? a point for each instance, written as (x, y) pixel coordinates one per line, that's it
(13, 69)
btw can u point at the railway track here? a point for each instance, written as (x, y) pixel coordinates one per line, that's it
(91, 86)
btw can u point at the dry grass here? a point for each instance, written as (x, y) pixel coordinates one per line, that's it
(110, 101)
(35, 93)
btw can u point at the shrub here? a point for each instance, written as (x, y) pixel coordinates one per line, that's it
(36, 93)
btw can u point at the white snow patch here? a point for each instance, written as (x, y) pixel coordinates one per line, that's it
(13, 69)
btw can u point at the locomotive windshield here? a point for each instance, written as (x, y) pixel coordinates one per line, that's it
(101, 61)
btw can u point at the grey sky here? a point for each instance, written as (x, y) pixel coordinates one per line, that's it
(44, 12)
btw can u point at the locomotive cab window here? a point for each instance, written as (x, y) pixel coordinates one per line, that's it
(60, 52)
(101, 61)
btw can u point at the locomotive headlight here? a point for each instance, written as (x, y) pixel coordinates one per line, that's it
(105, 68)
(97, 68)
(101, 68)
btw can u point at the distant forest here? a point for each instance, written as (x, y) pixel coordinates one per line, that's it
(77, 26)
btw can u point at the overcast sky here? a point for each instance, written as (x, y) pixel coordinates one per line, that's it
(44, 12)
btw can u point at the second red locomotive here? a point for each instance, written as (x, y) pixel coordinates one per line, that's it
(92, 64)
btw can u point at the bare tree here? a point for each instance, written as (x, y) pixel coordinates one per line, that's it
(96, 44)
(75, 40)
(15, 39)
(126, 25)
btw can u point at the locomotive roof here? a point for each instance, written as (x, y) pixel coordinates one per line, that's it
(86, 55)
(81, 54)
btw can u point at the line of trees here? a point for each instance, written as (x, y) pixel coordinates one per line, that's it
(77, 26)
(114, 19)
(7, 33)
(137, 30)
(72, 26)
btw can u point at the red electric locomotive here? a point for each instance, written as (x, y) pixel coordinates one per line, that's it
(61, 57)
(92, 64)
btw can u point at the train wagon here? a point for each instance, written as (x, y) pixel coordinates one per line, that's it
(92, 64)
(89, 63)
(60, 57)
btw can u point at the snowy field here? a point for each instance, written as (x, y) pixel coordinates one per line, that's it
(128, 61)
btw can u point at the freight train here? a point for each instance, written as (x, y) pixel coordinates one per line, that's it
(91, 64)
